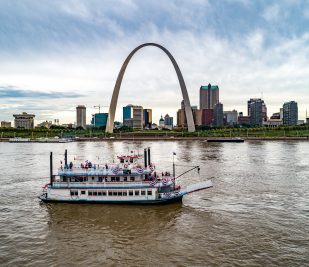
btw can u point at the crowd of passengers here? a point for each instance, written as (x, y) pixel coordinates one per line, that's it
(86, 165)
(89, 165)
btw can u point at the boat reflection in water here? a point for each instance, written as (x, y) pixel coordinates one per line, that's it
(89, 234)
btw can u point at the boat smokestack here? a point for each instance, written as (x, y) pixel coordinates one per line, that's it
(51, 167)
(149, 156)
(66, 157)
(145, 158)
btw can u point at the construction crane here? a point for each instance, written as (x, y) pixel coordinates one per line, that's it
(99, 107)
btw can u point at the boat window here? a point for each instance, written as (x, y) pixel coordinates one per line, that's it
(149, 192)
(100, 179)
(130, 193)
(95, 193)
(99, 193)
(74, 193)
(83, 192)
(121, 160)
(85, 179)
(131, 160)
(113, 179)
(132, 178)
(125, 179)
(92, 178)
(110, 193)
(104, 193)
(143, 193)
(124, 193)
(115, 193)
(117, 179)
(89, 193)
(137, 192)
(120, 193)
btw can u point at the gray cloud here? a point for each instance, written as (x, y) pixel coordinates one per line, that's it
(14, 92)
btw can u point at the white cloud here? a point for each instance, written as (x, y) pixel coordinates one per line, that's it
(272, 12)
(242, 67)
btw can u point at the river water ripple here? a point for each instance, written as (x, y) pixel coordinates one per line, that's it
(257, 213)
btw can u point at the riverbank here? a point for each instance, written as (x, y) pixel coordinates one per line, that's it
(162, 138)
(300, 132)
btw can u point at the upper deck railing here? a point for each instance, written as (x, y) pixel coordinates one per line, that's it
(94, 171)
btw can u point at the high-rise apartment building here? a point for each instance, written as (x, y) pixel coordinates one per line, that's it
(209, 96)
(133, 116)
(24, 120)
(81, 116)
(290, 113)
(218, 115)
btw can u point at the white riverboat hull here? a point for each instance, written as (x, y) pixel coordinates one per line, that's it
(63, 195)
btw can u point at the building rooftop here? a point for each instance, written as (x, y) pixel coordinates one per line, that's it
(213, 87)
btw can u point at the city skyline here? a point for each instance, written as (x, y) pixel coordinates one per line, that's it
(71, 52)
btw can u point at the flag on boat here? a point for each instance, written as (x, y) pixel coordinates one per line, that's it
(115, 170)
(167, 195)
(152, 181)
(139, 170)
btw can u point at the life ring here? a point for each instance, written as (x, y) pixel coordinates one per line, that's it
(125, 166)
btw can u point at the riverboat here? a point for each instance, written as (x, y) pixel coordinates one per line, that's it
(127, 181)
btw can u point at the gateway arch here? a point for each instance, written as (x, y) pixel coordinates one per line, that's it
(113, 104)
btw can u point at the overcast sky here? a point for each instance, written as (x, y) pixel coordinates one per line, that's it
(62, 53)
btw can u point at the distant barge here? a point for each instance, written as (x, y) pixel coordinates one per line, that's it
(226, 140)
(40, 140)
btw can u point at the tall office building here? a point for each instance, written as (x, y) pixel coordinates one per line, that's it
(230, 117)
(133, 116)
(256, 112)
(182, 119)
(264, 108)
(6, 124)
(218, 115)
(24, 120)
(147, 117)
(290, 113)
(81, 116)
(207, 116)
(99, 119)
(209, 96)
(168, 121)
